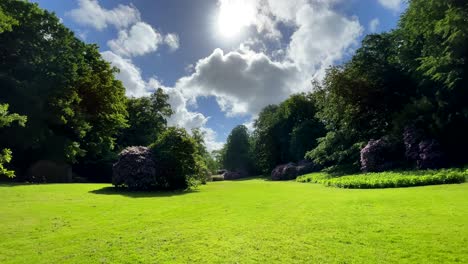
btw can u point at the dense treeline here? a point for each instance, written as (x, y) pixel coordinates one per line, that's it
(400, 102)
(77, 112)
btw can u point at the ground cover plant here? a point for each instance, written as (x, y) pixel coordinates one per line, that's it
(246, 221)
(388, 179)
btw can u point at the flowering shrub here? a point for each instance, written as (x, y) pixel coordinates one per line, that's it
(377, 156)
(411, 139)
(291, 170)
(430, 155)
(135, 169)
(426, 153)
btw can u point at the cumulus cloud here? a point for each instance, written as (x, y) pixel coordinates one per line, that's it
(242, 82)
(90, 13)
(136, 86)
(172, 41)
(323, 37)
(373, 25)
(189, 120)
(135, 38)
(394, 5)
(140, 39)
(129, 74)
(245, 80)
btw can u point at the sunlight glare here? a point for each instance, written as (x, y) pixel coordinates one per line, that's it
(234, 15)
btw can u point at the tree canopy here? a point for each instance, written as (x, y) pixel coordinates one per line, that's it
(74, 104)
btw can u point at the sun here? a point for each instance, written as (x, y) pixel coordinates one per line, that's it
(234, 16)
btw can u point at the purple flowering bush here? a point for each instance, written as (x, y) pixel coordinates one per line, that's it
(135, 169)
(291, 170)
(377, 155)
(425, 153)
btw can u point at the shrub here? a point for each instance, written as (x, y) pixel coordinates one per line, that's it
(135, 169)
(175, 153)
(389, 179)
(291, 170)
(378, 155)
(217, 178)
(411, 139)
(426, 153)
(234, 175)
(284, 172)
(318, 177)
(430, 155)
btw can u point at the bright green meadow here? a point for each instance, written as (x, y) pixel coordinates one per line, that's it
(248, 221)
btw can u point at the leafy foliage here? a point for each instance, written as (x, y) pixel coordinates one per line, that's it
(74, 104)
(379, 155)
(135, 169)
(236, 155)
(177, 165)
(6, 22)
(284, 133)
(359, 101)
(207, 161)
(146, 119)
(389, 179)
(291, 170)
(6, 120)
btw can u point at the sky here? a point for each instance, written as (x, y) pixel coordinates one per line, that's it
(222, 61)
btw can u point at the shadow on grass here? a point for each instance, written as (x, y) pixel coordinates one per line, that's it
(139, 194)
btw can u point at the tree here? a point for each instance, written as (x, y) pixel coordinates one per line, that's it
(6, 22)
(360, 101)
(286, 132)
(7, 119)
(175, 153)
(74, 104)
(433, 48)
(146, 119)
(206, 157)
(236, 153)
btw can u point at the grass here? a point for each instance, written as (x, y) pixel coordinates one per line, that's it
(388, 179)
(250, 221)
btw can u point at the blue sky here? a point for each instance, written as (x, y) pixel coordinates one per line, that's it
(221, 61)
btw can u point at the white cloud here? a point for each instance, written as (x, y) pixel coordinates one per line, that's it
(247, 79)
(394, 5)
(90, 13)
(172, 40)
(189, 120)
(129, 74)
(140, 39)
(373, 25)
(210, 139)
(323, 38)
(243, 82)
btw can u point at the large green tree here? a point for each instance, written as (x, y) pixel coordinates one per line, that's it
(236, 155)
(74, 104)
(359, 101)
(286, 132)
(434, 49)
(146, 119)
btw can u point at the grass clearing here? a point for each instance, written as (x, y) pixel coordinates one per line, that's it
(250, 221)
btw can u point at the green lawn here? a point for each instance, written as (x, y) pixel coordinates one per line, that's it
(250, 221)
